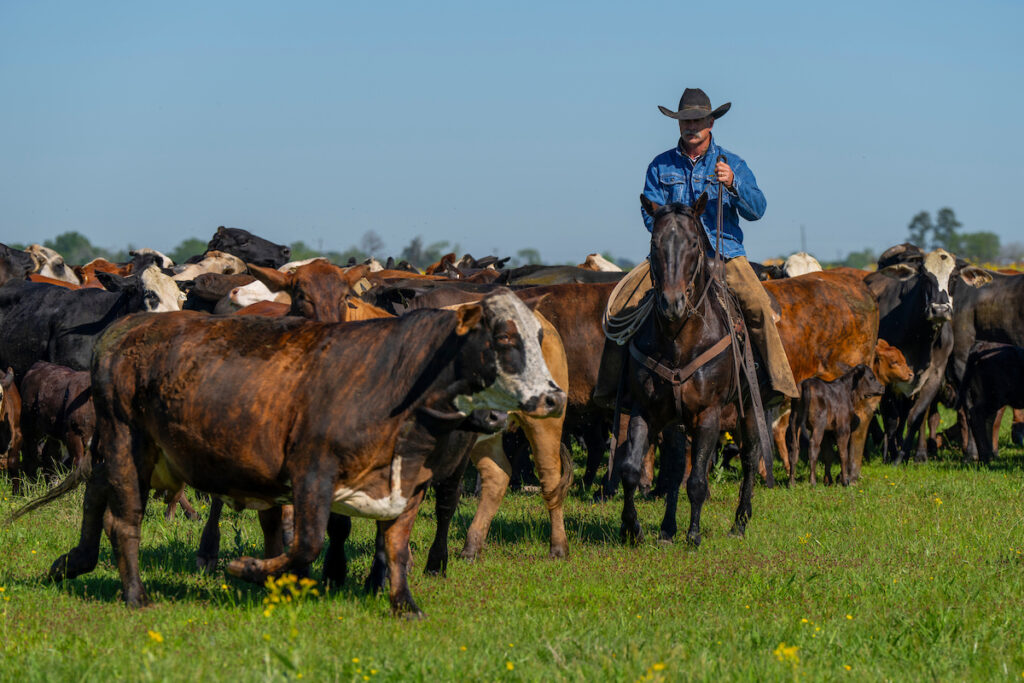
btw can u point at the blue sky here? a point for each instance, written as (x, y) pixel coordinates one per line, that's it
(500, 127)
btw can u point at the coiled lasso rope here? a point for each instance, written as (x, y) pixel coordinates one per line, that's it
(622, 326)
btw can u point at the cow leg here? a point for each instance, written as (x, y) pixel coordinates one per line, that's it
(996, 424)
(813, 449)
(595, 440)
(673, 466)
(130, 467)
(377, 579)
(495, 472)
(186, 507)
(83, 557)
(270, 524)
(209, 542)
(446, 502)
(335, 564)
(629, 469)
(843, 448)
(982, 418)
(780, 434)
(1017, 430)
(932, 444)
(313, 492)
(611, 479)
(396, 544)
(793, 437)
(545, 437)
(704, 442)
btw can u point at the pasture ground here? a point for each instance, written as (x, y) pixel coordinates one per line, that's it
(914, 573)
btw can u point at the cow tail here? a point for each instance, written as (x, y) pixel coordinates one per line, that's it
(560, 492)
(79, 473)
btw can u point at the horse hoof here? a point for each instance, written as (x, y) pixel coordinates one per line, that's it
(737, 531)
(207, 565)
(631, 534)
(666, 537)
(693, 540)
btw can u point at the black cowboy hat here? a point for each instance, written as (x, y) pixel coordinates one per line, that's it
(694, 104)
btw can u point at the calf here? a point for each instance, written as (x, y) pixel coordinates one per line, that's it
(994, 378)
(56, 409)
(10, 420)
(829, 407)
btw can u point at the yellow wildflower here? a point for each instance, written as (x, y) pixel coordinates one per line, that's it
(848, 616)
(509, 665)
(156, 637)
(786, 653)
(355, 660)
(659, 666)
(847, 667)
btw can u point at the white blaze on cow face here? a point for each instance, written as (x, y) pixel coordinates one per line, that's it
(941, 264)
(161, 292)
(528, 386)
(255, 292)
(358, 503)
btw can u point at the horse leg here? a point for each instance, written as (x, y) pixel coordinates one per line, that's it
(750, 459)
(629, 469)
(704, 439)
(673, 464)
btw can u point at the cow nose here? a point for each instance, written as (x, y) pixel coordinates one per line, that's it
(940, 312)
(552, 404)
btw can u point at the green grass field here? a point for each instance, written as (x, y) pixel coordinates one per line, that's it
(914, 573)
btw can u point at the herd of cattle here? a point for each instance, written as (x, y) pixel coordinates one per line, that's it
(313, 392)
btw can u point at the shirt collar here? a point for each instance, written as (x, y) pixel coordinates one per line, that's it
(711, 151)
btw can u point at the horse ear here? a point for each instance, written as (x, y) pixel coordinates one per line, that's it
(698, 206)
(649, 206)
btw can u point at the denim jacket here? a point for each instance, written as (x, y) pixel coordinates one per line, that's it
(671, 177)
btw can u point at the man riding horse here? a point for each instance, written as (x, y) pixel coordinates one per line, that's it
(696, 165)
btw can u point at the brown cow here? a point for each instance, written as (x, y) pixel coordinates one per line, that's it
(10, 421)
(370, 407)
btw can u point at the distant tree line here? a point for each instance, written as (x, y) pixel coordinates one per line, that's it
(945, 232)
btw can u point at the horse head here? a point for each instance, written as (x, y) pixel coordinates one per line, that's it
(679, 248)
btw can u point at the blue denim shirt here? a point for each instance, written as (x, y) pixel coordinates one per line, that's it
(671, 177)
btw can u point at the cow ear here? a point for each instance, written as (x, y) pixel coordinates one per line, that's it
(975, 276)
(700, 204)
(275, 280)
(112, 282)
(356, 273)
(8, 379)
(469, 318)
(650, 207)
(899, 271)
(536, 301)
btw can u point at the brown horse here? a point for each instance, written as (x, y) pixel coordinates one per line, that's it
(680, 372)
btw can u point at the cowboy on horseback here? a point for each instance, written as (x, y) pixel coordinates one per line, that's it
(696, 165)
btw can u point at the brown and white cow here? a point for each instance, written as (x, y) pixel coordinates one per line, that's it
(363, 433)
(51, 264)
(10, 421)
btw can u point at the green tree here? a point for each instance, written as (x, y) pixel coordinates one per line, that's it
(302, 251)
(371, 244)
(921, 228)
(193, 246)
(74, 247)
(979, 246)
(528, 257)
(945, 234)
(859, 259)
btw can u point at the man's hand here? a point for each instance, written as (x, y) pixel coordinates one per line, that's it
(725, 174)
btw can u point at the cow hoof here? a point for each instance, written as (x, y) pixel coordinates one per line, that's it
(470, 554)
(559, 552)
(411, 616)
(737, 531)
(631, 533)
(247, 569)
(59, 569)
(693, 539)
(206, 564)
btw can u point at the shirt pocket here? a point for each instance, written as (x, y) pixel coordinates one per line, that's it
(676, 187)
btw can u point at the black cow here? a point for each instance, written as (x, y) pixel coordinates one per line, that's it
(915, 293)
(45, 322)
(249, 247)
(993, 378)
(14, 264)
